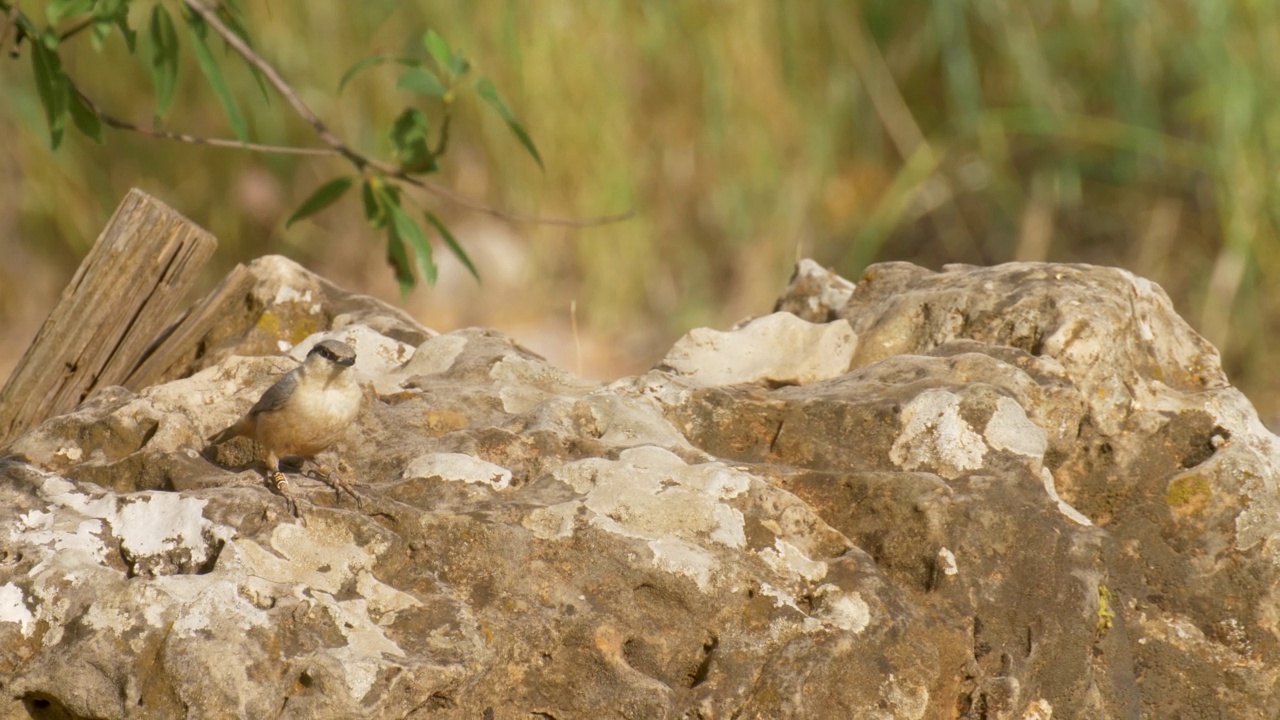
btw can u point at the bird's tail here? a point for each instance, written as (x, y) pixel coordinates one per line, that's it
(236, 430)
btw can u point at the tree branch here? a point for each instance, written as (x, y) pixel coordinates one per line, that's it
(117, 123)
(361, 162)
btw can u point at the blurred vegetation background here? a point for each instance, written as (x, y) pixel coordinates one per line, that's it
(746, 135)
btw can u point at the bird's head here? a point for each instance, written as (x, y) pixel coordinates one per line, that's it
(333, 353)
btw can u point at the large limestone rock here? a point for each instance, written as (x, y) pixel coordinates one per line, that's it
(1016, 492)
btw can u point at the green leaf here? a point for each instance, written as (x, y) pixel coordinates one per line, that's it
(487, 90)
(412, 233)
(164, 58)
(459, 65)
(231, 14)
(322, 198)
(130, 36)
(439, 49)
(53, 88)
(214, 75)
(421, 80)
(398, 259)
(101, 28)
(409, 134)
(374, 61)
(113, 12)
(85, 118)
(59, 10)
(376, 196)
(373, 212)
(452, 61)
(371, 61)
(453, 244)
(401, 230)
(98, 34)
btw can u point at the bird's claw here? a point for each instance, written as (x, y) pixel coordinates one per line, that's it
(282, 486)
(339, 485)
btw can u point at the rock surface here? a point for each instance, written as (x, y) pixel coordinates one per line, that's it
(1025, 491)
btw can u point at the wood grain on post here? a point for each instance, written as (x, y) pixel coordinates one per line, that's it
(174, 350)
(122, 296)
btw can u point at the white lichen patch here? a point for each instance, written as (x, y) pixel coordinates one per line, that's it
(650, 494)
(683, 558)
(1063, 506)
(841, 609)
(13, 609)
(459, 467)
(362, 656)
(148, 524)
(1010, 429)
(781, 598)
(788, 560)
(319, 556)
(211, 606)
(154, 523)
(109, 616)
(288, 294)
(312, 564)
(71, 550)
(936, 438)
(145, 604)
(64, 534)
(947, 562)
(834, 609)
(382, 598)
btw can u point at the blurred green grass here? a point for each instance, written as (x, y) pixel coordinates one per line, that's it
(746, 134)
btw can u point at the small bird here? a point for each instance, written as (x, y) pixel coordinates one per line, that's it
(305, 412)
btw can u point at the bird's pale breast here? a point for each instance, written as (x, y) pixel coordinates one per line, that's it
(328, 414)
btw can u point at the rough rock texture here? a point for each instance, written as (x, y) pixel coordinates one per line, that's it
(1015, 492)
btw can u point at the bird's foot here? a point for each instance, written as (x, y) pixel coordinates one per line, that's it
(331, 478)
(282, 486)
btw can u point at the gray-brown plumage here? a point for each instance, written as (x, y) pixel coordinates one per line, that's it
(306, 411)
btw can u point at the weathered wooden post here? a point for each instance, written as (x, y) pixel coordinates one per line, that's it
(121, 298)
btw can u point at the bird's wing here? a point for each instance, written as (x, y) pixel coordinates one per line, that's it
(276, 396)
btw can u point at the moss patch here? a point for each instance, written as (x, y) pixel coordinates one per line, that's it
(1188, 494)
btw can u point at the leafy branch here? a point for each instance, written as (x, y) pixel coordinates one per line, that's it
(438, 79)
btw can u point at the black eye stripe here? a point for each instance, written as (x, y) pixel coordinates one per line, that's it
(338, 356)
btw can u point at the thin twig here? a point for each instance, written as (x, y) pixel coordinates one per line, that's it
(119, 124)
(438, 190)
(20, 26)
(238, 44)
(72, 32)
